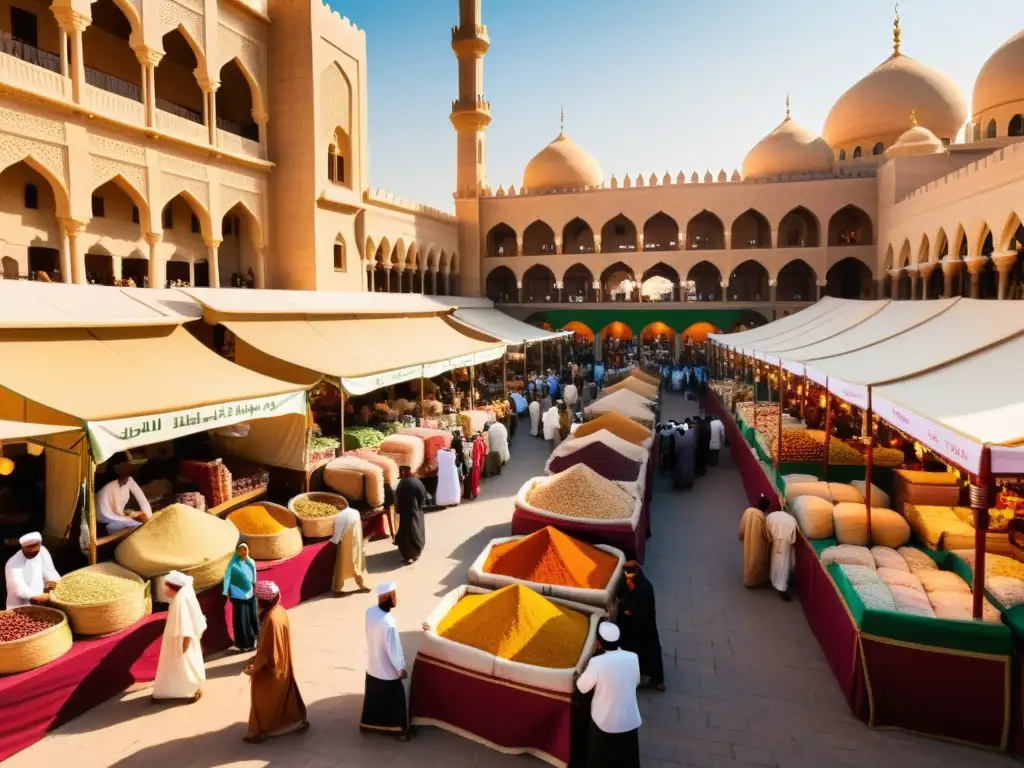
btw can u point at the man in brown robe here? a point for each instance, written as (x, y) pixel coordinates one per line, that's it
(757, 547)
(277, 706)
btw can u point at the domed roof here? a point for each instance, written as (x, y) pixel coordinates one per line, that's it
(1000, 81)
(876, 107)
(562, 164)
(789, 149)
(918, 140)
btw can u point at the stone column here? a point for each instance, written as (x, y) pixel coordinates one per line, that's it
(597, 243)
(62, 41)
(950, 267)
(519, 246)
(880, 287)
(728, 240)
(974, 266)
(925, 272)
(368, 267)
(157, 273)
(75, 260)
(261, 119)
(398, 270)
(821, 285)
(210, 87)
(74, 24)
(519, 288)
(423, 282)
(558, 245)
(261, 267)
(597, 291)
(639, 242)
(681, 241)
(894, 276)
(213, 261)
(558, 287)
(725, 291)
(913, 284)
(1004, 262)
(149, 60)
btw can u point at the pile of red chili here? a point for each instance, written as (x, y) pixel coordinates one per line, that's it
(17, 625)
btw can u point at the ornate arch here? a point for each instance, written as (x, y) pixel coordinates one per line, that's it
(259, 109)
(192, 36)
(256, 230)
(62, 199)
(200, 210)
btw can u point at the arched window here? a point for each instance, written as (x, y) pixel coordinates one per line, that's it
(98, 208)
(856, 152)
(877, 149)
(977, 132)
(337, 156)
(990, 130)
(339, 256)
(1016, 127)
(32, 196)
(842, 155)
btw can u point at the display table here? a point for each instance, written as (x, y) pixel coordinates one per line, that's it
(755, 482)
(517, 719)
(96, 669)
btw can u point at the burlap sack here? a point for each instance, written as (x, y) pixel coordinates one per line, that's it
(879, 498)
(817, 488)
(406, 450)
(814, 516)
(845, 554)
(357, 479)
(888, 529)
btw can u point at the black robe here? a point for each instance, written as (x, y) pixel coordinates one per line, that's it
(639, 627)
(410, 499)
(684, 451)
(703, 427)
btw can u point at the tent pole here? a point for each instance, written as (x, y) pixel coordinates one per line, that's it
(559, 356)
(828, 430)
(782, 397)
(341, 390)
(870, 462)
(803, 398)
(526, 370)
(422, 398)
(979, 505)
(541, 372)
(90, 493)
(504, 375)
(472, 381)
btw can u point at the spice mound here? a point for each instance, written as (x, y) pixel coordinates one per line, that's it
(88, 587)
(603, 459)
(313, 509)
(517, 624)
(580, 492)
(17, 625)
(256, 520)
(617, 424)
(177, 538)
(548, 556)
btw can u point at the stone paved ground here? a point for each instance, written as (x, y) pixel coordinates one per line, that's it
(747, 683)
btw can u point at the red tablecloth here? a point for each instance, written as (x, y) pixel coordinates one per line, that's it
(508, 717)
(96, 669)
(631, 541)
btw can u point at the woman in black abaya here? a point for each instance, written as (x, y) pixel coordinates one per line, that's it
(636, 618)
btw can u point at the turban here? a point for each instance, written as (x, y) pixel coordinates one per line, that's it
(609, 632)
(386, 588)
(266, 590)
(30, 538)
(177, 579)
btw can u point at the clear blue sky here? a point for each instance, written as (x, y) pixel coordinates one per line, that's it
(647, 85)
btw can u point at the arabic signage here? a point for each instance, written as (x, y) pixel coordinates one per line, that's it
(797, 368)
(363, 384)
(109, 437)
(854, 394)
(941, 441)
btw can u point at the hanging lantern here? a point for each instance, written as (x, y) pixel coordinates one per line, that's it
(6, 466)
(34, 449)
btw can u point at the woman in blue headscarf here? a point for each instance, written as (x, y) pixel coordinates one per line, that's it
(239, 579)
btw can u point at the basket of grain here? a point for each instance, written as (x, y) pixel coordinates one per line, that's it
(270, 530)
(32, 636)
(316, 512)
(179, 538)
(102, 599)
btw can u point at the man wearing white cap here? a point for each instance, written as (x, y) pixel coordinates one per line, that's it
(615, 721)
(30, 574)
(384, 697)
(180, 673)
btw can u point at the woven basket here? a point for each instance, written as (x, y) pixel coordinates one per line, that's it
(113, 615)
(38, 649)
(276, 546)
(318, 527)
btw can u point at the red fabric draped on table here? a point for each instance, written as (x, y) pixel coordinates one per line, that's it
(633, 543)
(96, 669)
(510, 717)
(832, 625)
(912, 688)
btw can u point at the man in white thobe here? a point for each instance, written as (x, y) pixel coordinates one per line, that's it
(717, 442)
(113, 498)
(30, 574)
(180, 673)
(781, 527)
(613, 676)
(534, 409)
(550, 425)
(571, 396)
(497, 441)
(384, 706)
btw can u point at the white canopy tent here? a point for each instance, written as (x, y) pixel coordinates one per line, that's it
(848, 316)
(747, 339)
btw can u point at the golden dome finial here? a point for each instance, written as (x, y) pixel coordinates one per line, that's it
(896, 32)
(787, 105)
(913, 118)
(561, 122)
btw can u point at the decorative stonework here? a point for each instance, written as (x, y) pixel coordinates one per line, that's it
(119, 150)
(229, 196)
(171, 185)
(15, 148)
(182, 167)
(239, 181)
(104, 169)
(335, 103)
(240, 24)
(174, 14)
(231, 44)
(32, 125)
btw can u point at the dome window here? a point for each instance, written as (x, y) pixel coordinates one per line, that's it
(856, 153)
(1016, 126)
(842, 155)
(990, 130)
(877, 149)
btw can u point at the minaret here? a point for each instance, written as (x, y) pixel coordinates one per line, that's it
(471, 114)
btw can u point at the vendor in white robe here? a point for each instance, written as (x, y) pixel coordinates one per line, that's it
(497, 441)
(571, 396)
(113, 498)
(534, 410)
(350, 562)
(549, 421)
(180, 673)
(781, 528)
(448, 484)
(30, 574)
